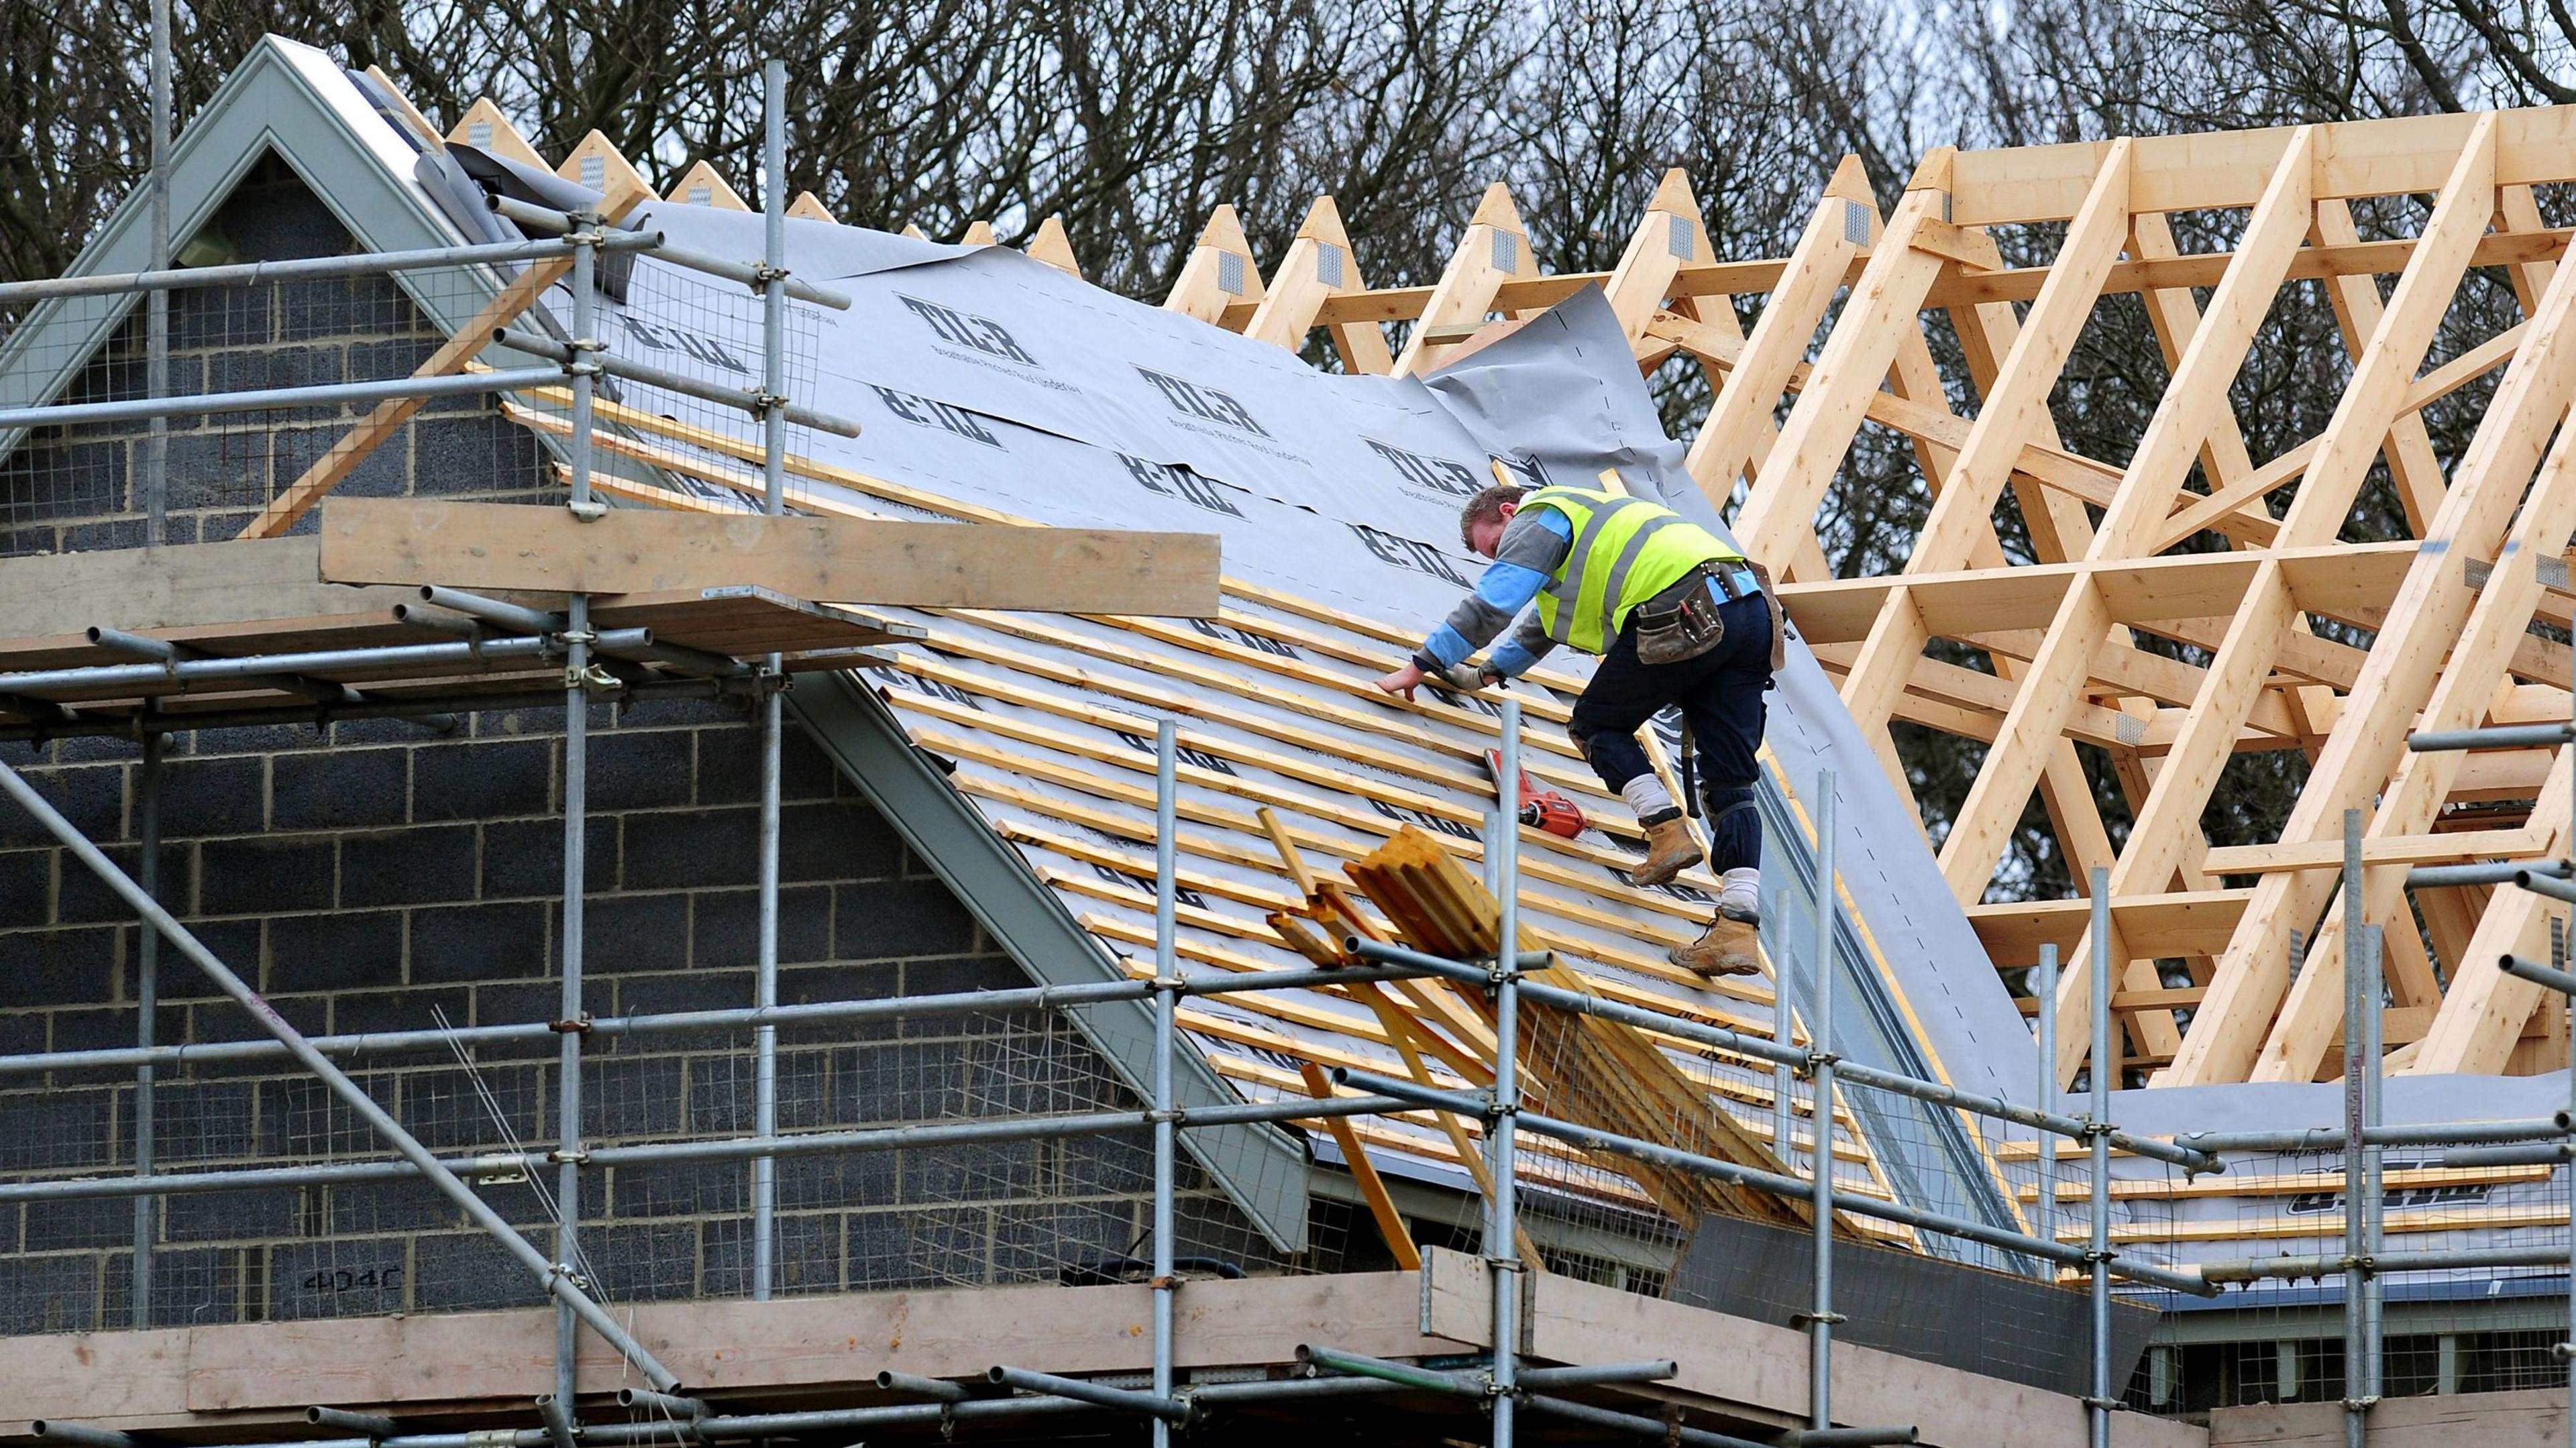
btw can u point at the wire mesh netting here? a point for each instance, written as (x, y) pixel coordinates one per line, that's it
(2447, 1330)
(1709, 1103)
(867, 1215)
(86, 485)
(709, 331)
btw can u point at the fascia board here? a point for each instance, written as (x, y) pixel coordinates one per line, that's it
(1260, 1168)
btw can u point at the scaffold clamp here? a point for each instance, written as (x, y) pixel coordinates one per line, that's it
(592, 679)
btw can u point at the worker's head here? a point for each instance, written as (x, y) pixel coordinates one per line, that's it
(1481, 522)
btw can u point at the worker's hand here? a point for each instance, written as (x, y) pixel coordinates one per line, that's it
(1403, 681)
(1465, 678)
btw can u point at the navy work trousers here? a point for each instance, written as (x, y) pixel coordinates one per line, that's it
(1720, 694)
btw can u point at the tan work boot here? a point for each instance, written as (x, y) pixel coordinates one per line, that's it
(1730, 946)
(1669, 849)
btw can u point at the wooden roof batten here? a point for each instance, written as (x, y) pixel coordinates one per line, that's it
(2073, 672)
(2061, 629)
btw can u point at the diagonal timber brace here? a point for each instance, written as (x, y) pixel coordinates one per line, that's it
(387, 417)
(2425, 618)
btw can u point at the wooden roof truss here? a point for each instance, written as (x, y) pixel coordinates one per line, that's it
(2122, 551)
(2449, 610)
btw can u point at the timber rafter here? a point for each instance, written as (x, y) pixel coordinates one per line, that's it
(2169, 612)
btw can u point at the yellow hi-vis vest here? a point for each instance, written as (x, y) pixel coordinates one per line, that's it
(1626, 550)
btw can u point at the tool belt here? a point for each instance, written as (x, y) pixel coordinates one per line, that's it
(1682, 622)
(1779, 618)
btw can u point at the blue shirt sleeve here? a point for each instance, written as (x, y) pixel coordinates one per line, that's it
(1508, 585)
(1504, 590)
(1511, 658)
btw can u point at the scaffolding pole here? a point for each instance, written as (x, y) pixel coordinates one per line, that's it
(2356, 1145)
(2098, 1401)
(577, 639)
(147, 1004)
(1166, 990)
(2553, 977)
(511, 1164)
(2331, 1138)
(2044, 990)
(1503, 1216)
(274, 670)
(1043, 997)
(1820, 1028)
(1167, 736)
(15, 785)
(310, 268)
(1851, 1073)
(773, 427)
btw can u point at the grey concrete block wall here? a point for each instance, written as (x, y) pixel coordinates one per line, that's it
(378, 878)
(381, 878)
(63, 490)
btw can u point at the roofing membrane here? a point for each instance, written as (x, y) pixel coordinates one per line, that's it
(992, 387)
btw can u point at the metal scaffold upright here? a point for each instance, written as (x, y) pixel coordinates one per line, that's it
(1517, 1118)
(773, 502)
(2365, 1264)
(147, 793)
(576, 637)
(2104, 1067)
(493, 631)
(1507, 1387)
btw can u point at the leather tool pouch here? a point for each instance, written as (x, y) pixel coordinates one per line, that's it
(1679, 623)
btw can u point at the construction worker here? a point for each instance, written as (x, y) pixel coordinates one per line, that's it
(1679, 617)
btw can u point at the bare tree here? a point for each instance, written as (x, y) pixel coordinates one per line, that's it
(1133, 119)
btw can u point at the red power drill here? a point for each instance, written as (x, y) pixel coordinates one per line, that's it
(1544, 808)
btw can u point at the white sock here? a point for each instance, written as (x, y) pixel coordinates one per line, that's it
(1741, 891)
(1646, 795)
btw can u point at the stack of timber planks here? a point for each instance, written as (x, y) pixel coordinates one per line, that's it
(1599, 1073)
